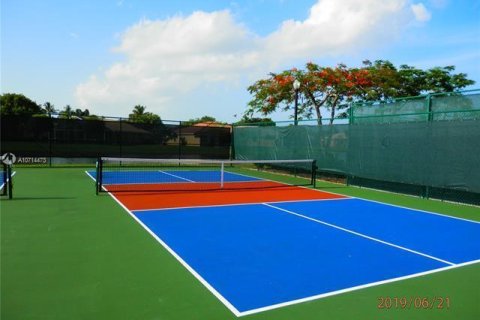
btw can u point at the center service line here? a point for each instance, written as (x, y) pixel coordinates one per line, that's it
(360, 234)
(175, 176)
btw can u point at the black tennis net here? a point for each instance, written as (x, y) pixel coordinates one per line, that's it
(138, 174)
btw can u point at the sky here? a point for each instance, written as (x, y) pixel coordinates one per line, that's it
(187, 59)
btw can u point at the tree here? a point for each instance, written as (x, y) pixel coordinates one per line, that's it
(199, 120)
(67, 112)
(158, 129)
(334, 88)
(137, 111)
(208, 119)
(440, 79)
(407, 81)
(49, 108)
(82, 114)
(257, 121)
(17, 104)
(140, 116)
(320, 87)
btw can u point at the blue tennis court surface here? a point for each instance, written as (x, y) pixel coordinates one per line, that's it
(2, 180)
(170, 176)
(262, 256)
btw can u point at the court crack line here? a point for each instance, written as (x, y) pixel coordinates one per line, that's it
(360, 234)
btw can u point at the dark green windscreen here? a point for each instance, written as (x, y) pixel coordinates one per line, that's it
(441, 154)
(442, 106)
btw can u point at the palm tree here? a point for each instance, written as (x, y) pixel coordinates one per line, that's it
(138, 110)
(137, 113)
(67, 112)
(49, 108)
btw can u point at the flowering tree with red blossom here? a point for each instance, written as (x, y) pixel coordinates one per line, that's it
(319, 87)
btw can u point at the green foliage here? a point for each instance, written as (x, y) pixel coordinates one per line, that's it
(199, 120)
(441, 80)
(258, 121)
(80, 113)
(407, 81)
(67, 112)
(18, 104)
(139, 115)
(333, 88)
(49, 108)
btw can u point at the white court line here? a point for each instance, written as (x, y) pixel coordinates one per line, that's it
(175, 176)
(394, 205)
(1, 185)
(379, 202)
(352, 197)
(238, 204)
(166, 183)
(419, 210)
(182, 262)
(360, 234)
(363, 286)
(176, 256)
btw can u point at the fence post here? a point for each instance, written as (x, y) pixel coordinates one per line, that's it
(50, 134)
(120, 137)
(426, 191)
(350, 113)
(179, 140)
(232, 143)
(429, 107)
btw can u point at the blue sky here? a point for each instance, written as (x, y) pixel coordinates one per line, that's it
(186, 59)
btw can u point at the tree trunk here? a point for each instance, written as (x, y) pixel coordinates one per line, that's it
(332, 113)
(317, 105)
(319, 115)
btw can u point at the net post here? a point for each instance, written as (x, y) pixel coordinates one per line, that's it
(98, 176)
(9, 181)
(4, 173)
(222, 170)
(314, 173)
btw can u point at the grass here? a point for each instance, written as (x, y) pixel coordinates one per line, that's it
(68, 254)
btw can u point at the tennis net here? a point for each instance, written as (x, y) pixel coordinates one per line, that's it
(6, 180)
(134, 174)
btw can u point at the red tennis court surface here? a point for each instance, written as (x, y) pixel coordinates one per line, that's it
(234, 193)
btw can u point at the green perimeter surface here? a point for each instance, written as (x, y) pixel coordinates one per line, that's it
(68, 254)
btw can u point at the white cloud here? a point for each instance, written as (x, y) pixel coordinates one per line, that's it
(336, 27)
(166, 60)
(421, 12)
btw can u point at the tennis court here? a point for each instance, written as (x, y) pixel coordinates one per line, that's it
(258, 245)
(268, 248)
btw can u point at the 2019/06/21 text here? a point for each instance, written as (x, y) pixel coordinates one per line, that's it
(413, 302)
